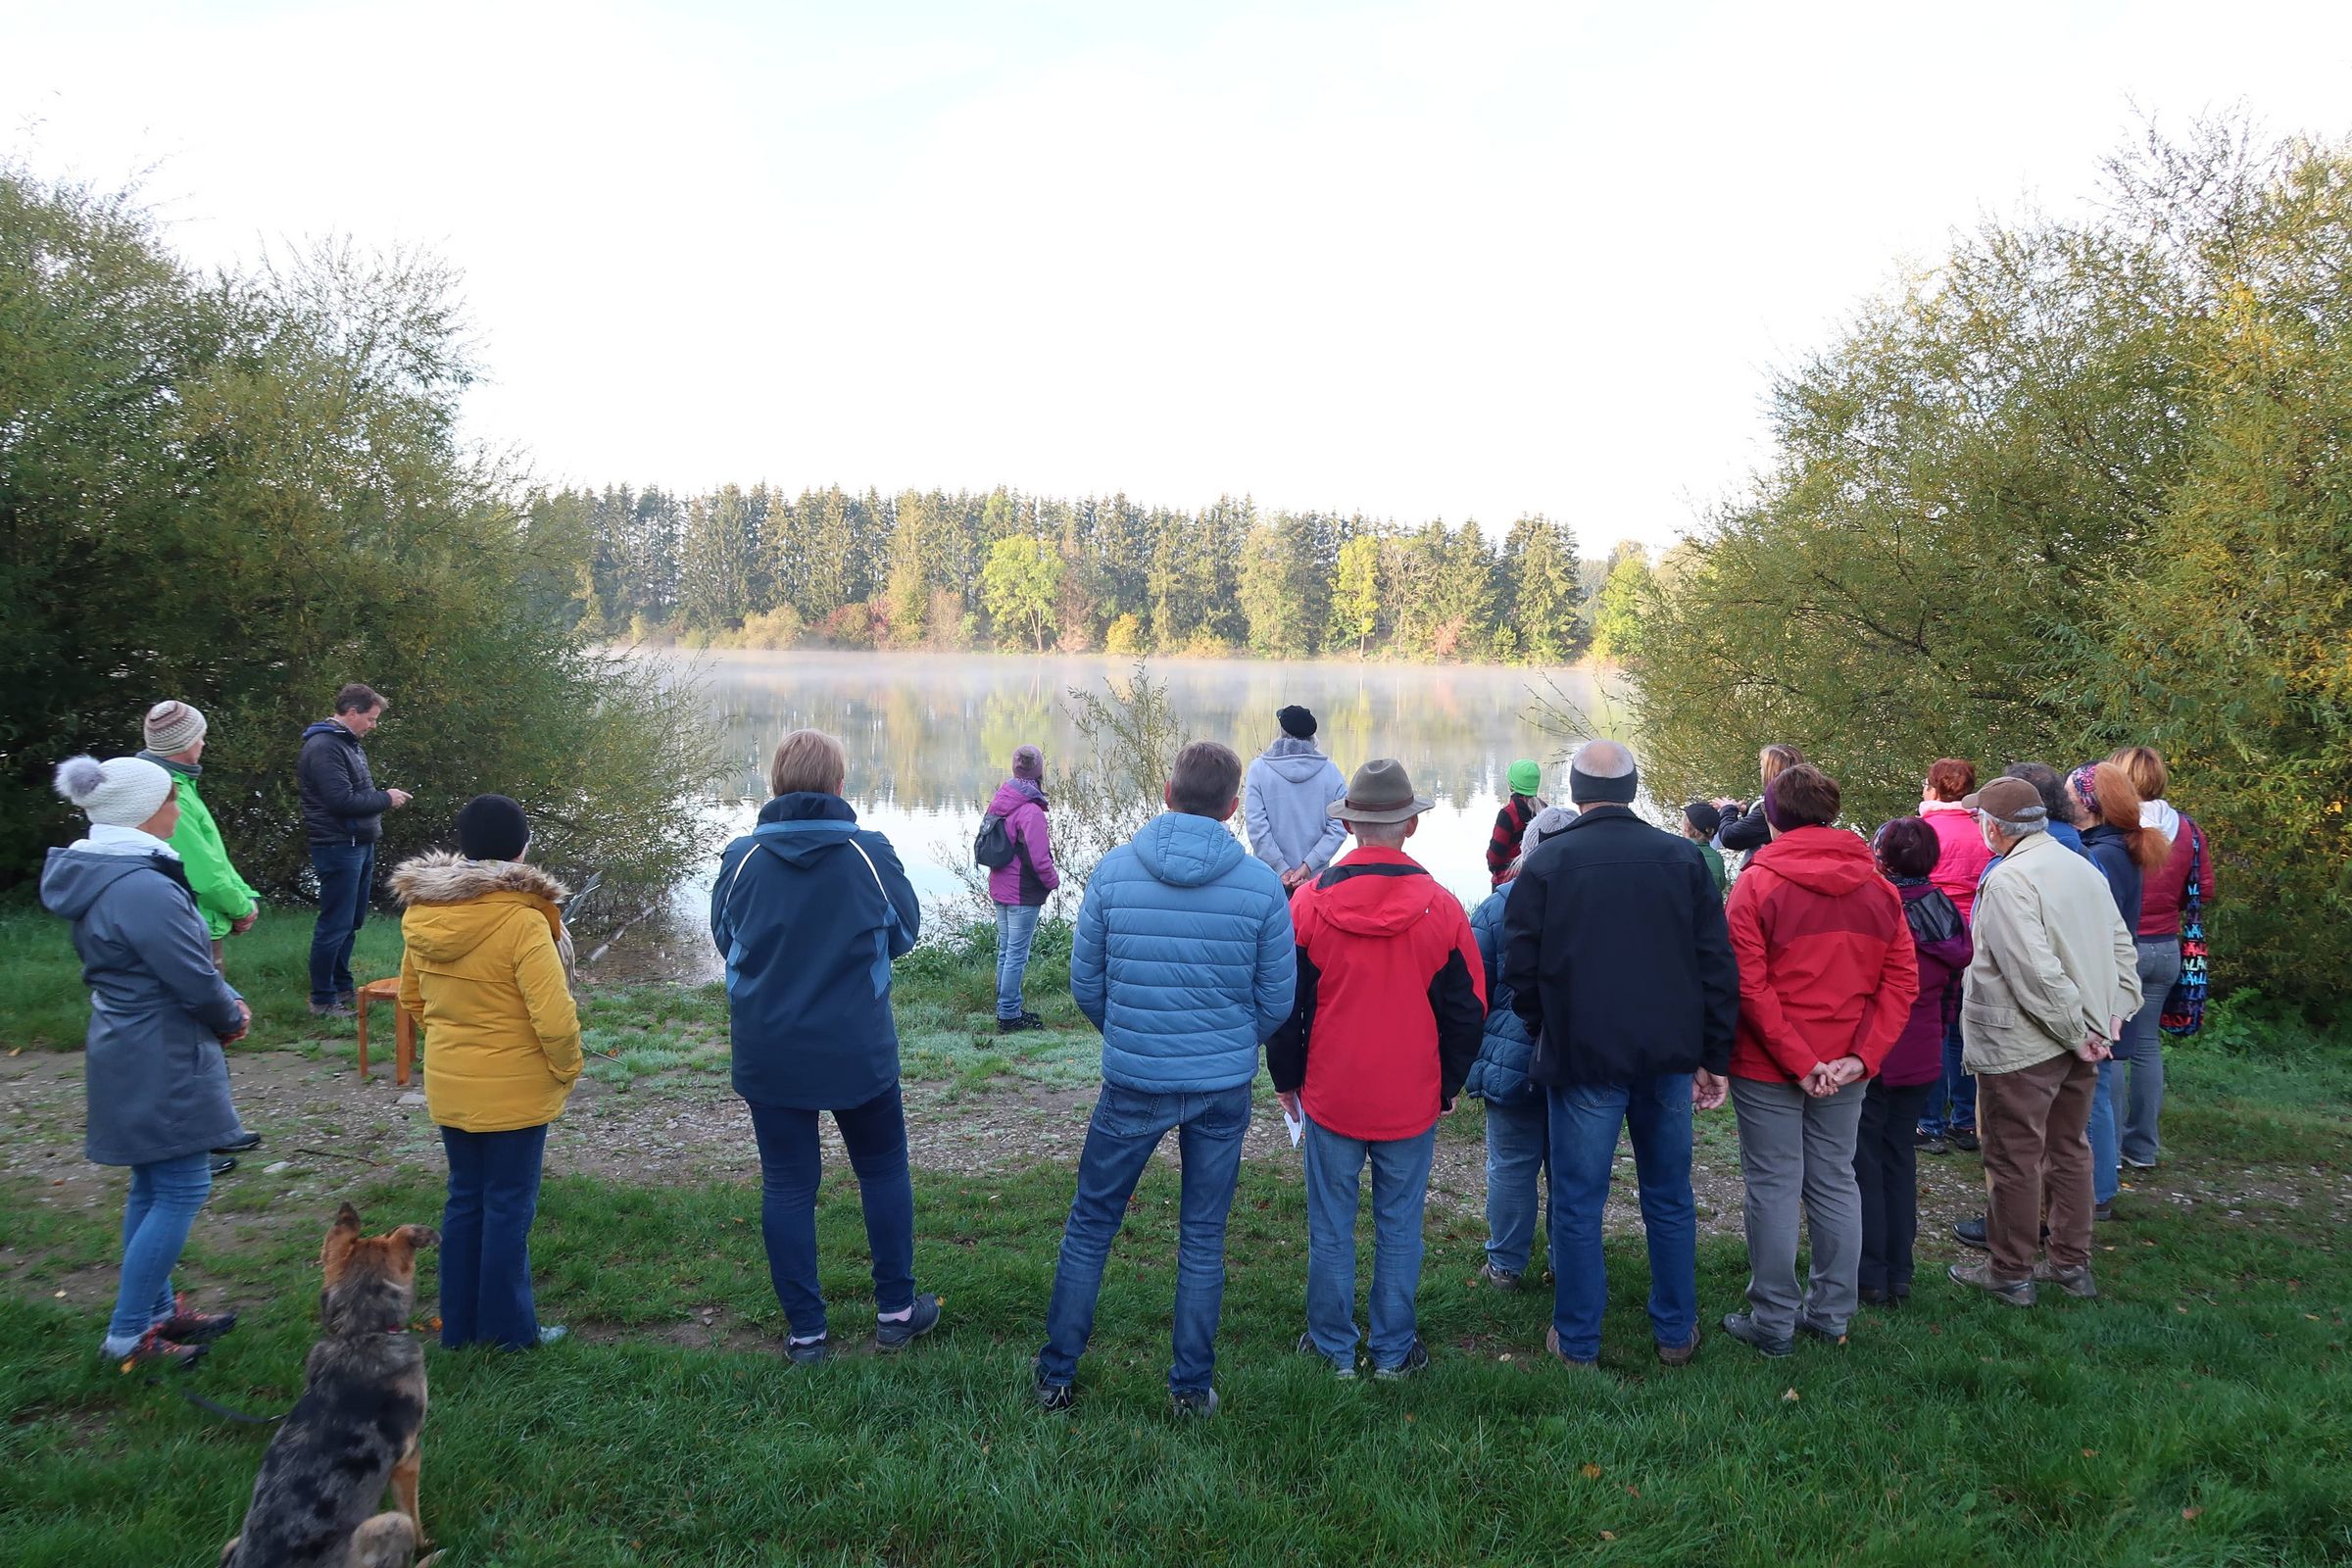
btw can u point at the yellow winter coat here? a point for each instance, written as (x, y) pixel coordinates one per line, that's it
(484, 972)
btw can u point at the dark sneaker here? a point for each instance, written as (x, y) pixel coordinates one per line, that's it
(155, 1351)
(1680, 1354)
(238, 1146)
(1342, 1370)
(1816, 1329)
(809, 1352)
(1416, 1359)
(1054, 1397)
(1972, 1233)
(1933, 1145)
(1964, 1138)
(1741, 1327)
(187, 1326)
(224, 1165)
(1502, 1279)
(1194, 1403)
(1872, 1296)
(2102, 1214)
(2013, 1292)
(2075, 1282)
(1022, 1025)
(332, 1009)
(888, 1337)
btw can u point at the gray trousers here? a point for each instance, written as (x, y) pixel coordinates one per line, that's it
(1797, 1154)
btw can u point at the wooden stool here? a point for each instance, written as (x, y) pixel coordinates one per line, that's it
(404, 1028)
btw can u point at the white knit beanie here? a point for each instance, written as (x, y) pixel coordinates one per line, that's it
(172, 726)
(122, 793)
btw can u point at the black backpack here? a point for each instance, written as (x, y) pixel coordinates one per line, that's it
(993, 846)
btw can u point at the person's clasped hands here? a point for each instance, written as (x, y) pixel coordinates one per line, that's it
(1828, 1077)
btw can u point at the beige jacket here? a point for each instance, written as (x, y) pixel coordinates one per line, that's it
(2054, 960)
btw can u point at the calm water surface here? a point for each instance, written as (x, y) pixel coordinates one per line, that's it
(930, 736)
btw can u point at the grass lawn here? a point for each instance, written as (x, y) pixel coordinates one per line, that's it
(2201, 1413)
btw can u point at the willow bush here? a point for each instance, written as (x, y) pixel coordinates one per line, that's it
(2083, 483)
(247, 490)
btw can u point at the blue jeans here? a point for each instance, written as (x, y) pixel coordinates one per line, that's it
(791, 1167)
(1334, 1168)
(1952, 1098)
(2106, 1152)
(1584, 1122)
(1518, 1142)
(1016, 929)
(346, 876)
(486, 1238)
(165, 1196)
(1126, 1127)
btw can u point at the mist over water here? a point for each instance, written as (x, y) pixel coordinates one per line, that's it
(930, 736)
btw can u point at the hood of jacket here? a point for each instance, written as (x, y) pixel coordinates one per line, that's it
(1185, 851)
(76, 878)
(455, 903)
(1014, 794)
(327, 726)
(1376, 892)
(1296, 760)
(2160, 815)
(796, 828)
(1827, 861)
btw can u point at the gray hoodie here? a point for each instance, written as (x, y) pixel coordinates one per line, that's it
(154, 1073)
(1284, 802)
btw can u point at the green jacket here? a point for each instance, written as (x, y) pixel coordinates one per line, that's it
(221, 896)
(1714, 859)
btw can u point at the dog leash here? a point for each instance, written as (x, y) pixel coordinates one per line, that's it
(215, 1408)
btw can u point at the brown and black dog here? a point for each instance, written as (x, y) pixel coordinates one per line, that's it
(355, 1429)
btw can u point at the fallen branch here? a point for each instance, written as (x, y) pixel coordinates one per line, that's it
(329, 1153)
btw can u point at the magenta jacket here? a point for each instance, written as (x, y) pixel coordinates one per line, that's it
(1029, 875)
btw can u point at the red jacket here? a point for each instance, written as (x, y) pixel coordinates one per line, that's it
(1826, 961)
(1962, 855)
(1392, 999)
(2165, 890)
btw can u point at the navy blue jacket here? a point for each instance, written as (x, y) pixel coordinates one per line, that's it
(1499, 1075)
(2111, 852)
(809, 910)
(1184, 957)
(340, 802)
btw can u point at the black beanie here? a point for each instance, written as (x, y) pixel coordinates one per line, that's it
(1585, 788)
(491, 827)
(1296, 722)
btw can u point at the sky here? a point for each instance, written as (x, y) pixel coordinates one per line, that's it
(1468, 260)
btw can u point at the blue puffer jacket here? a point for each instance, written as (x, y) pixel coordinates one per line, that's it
(1184, 959)
(809, 910)
(1499, 1075)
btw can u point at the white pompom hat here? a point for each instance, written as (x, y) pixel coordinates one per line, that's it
(122, 793)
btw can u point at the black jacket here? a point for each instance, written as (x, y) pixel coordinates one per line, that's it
(1744, 830)
(340, 802)
(1617, 955)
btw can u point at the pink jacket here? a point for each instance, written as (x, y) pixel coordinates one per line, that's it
(1961, 865)
(1030, 874)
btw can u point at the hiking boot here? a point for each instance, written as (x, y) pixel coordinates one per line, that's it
(1342, 1370)
(224, 1165)
(1965, 1140)
(1013, 1026)
(809, 1352)
(332, 1009)
(1741, 1327)
(1054, 1399)
(2075, 1282)
(153, 1349)
(240, 1143)
(1502, 1279)
(1679, 1354)
(1551, 1343)
(1416, 1359)
(890, 1337)
(2102, 1214)
(1193, 1404)
(1930, 1144)
(1816, 1329)
(187, 1326)
(2013, 1292)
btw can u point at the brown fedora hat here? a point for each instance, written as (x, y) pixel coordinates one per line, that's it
(1379, 791)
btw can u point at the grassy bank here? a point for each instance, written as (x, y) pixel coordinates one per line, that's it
(2201, 1413)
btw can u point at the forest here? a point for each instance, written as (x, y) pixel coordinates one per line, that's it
(755, 567)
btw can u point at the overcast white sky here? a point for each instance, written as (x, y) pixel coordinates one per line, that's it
(1418, 259)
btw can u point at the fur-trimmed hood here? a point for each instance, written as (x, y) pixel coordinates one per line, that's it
(454, 903)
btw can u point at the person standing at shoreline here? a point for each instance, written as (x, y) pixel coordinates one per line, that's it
(1020, 885)
(1519, 807)
(174, 733)
(343, 813)
(1285, 802)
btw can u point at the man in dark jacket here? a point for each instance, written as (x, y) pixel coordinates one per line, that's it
(343, 813)
(1392, 1001)
(1620, 964)
(1183, 959)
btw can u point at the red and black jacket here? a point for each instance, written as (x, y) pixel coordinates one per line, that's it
(1392, 999)
(1510, 831)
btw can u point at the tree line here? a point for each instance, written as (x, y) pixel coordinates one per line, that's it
(756, 567)
(2085, 483)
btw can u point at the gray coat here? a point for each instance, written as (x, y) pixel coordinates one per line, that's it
(1284, 805)
(156, 1078)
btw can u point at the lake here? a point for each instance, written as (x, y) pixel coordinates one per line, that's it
(930, 736)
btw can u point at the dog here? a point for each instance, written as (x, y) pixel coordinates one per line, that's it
(355, 1430)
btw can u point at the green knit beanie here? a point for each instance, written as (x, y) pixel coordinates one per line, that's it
(1526, 776)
